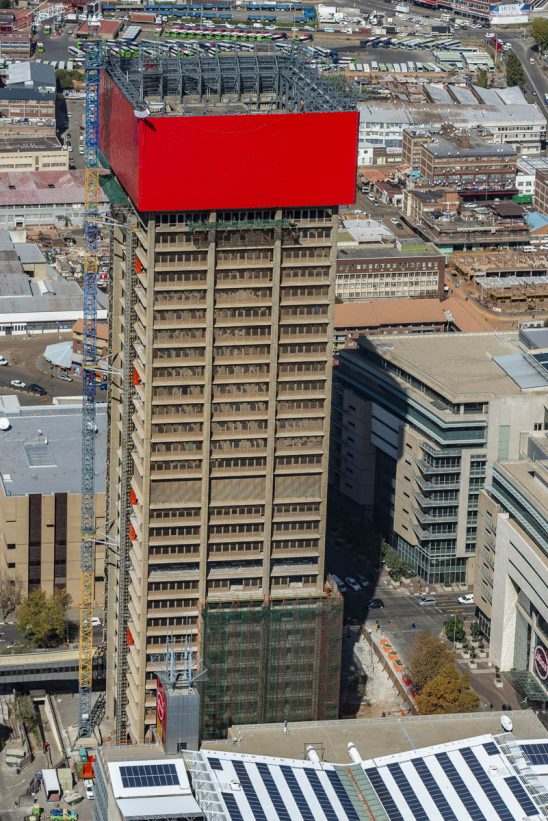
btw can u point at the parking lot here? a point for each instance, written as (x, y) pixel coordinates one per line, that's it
(26, 363)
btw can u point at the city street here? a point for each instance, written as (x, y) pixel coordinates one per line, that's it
(535, 73)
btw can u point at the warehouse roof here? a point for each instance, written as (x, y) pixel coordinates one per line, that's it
(31, 73)
(42, 450)
(379, 312)
(43, 188)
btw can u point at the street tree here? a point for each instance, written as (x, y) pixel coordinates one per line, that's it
(515, 75)
(454, 629)
(447, 692)
(428, 656)
(539, 32)
(11, 592)
(41, 619)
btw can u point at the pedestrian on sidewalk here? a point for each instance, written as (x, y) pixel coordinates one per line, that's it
(413, 625)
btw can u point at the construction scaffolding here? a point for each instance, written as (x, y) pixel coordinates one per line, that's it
(272, 661)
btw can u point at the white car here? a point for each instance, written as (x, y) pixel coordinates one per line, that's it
(352, 584)
(96, 621)
(16, 383)
(394, 220)
(468, 598)
(3, 361)
(88, 787)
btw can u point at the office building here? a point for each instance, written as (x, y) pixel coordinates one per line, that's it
(388, 316)
(540, 196)
(417, 423)
(40, 505)
(222, 313)
(511, 582)
(406, 270)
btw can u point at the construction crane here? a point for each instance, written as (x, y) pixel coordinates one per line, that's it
(89, 362)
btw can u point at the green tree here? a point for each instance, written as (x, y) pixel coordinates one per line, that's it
(67, 79)
(454, 629)
(515, 75)
(396, 567)
(482, 78)
(428, 656)
(41, 619)
(5, 4)
(10, 594)
(539, 32)
(448, 692)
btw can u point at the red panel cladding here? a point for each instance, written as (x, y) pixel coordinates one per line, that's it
(119, 135)
(207, 162)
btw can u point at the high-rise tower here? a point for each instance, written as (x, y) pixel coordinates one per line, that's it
(221, 320)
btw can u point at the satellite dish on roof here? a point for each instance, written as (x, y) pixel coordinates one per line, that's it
(506, 723)
(4, 423)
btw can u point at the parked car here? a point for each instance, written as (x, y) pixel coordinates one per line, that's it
(352, 584)
(468, 598)
(427, 601)
(16, 383)
(394, 220)
(88, 787)
(34, 388)
(103, 386)
(375, 604)
(64, 377)
(339, 582)
(362, 581)
(3, 361)
(96, 621)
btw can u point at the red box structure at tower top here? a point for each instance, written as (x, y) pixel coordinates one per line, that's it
(210, 161)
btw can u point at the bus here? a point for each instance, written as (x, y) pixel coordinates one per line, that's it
(40, 47)
(76, 52)
(47, 29)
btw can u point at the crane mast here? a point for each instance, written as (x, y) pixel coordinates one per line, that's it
(91, 270)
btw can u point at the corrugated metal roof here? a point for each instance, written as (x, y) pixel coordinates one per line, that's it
(43, 188)
(520, 368)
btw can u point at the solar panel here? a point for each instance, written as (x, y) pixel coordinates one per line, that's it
(536, 754)
(491, 748)
(408, 792)
(232, 807)
(488, 787)
(149, 775)
(520, 794)
(460, 787)
(215, 764)
(273, 792)
(321, 795)
(297, 793)
(342, 795)
(249, 791)
(434, 790)
(384, 794)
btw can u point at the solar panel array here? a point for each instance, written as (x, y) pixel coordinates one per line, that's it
(270, 790)
(536, 754)
(452, 783)
(149, 775)
(461, 781)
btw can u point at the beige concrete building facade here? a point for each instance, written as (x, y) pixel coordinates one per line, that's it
(40, 500)
(44, 154)
(231, 341)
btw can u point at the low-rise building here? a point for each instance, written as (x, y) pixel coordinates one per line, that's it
(40, 503)
(407, 269)
(27, 101)
(387, 316)
(15, 45)
(511, 579)
(101, 344)
(28, 153)
(442, 218)
(505, 121)
(467, 163)
(417, 424)
(104, 30)
(44, 197)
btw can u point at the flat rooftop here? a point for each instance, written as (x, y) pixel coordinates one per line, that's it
(374, 737)
(460, 367)
(411, 249)
(235, 84)
(42, 450)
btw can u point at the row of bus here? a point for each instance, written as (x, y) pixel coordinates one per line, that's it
(192, 32)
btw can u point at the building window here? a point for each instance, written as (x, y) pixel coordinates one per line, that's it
(10, 546)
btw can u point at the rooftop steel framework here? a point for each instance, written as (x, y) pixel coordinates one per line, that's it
(238, 83)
